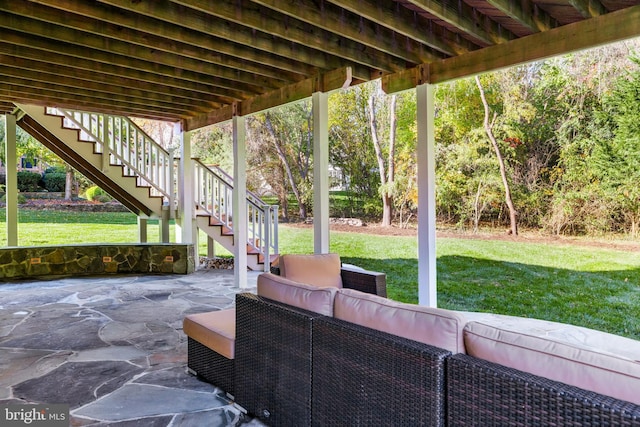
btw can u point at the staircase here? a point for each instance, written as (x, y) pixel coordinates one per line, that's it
(121, 159)
(213, 200)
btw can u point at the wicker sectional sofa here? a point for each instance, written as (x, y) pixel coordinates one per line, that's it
(311, 351)
(327, 356)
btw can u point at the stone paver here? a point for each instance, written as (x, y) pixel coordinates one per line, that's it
(113, 348)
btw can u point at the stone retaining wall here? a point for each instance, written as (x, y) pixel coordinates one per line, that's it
(78, 260)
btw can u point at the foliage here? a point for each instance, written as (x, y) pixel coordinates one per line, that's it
(281, 145)
(97, 194)
(214, 145)
(28, 181)
(54, 181)
(21, 199)
(350, 146)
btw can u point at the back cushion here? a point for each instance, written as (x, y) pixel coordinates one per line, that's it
(319, 270)
(433, 326)
(308, 297)
(592, 360)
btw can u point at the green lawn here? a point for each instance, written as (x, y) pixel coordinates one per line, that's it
(592, 287)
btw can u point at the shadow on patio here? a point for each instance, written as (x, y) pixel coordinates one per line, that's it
(112, 348)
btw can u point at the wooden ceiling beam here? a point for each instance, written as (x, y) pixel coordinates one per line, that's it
(589, 33)
(609, 28)
(233, 34)
(61, 92)
(407, 23)
(526, 13)
(340, 21)
(35, 59)
(159, 35)
(40, 97)
(468, 20)
(293, 30)
(81, 53)
(54, 82)
(326, 82)
(133, 53)
(588, 8)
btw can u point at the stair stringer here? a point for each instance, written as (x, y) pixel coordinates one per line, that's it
(221, 234)
(85, 151)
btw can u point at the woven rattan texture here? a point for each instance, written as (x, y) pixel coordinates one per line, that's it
(364, 281)
(214, 368)
(370, 282)
(482, 393)
(363, 377)
(273, 361)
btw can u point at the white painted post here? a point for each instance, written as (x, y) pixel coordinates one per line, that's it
(142, 229)
(163, 223)
(186, 230)
(239, 202)
(11, 187)
(211, 247)
(320, 105)
(427, 292)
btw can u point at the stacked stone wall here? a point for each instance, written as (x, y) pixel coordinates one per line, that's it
(77, 260)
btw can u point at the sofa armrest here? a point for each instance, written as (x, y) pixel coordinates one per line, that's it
(273, 360)
(480, 392)
(370, 282)
(362, 376)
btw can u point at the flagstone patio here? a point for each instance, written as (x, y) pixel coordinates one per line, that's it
(112, 348)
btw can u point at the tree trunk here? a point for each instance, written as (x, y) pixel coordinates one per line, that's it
(302, 211)
(387, 200)
(476, 209)
(68, 184)
(488, 127)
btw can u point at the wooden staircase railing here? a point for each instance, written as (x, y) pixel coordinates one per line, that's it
(121, 142)
(213, 196)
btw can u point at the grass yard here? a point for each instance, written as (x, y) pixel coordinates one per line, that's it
(587, 286)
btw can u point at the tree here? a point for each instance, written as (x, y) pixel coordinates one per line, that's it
(386, 171)
(488, 126)
(282, 147)
(350, 146)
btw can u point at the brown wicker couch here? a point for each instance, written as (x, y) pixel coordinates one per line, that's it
(299, 367)
(274, 348)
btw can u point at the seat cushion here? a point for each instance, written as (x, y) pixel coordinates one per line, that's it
(319, 270)
(433, 326)
(215, 330)
(592, 360)
(302, 295)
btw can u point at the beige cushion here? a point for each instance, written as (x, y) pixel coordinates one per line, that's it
(215, 330)
(302, 295)
(585, 358)
(437, 327)
(319, 270)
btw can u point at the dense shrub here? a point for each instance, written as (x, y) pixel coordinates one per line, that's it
(28, 181)
(21, 199)
(55, 169)
(97, 194)
(55, 181)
